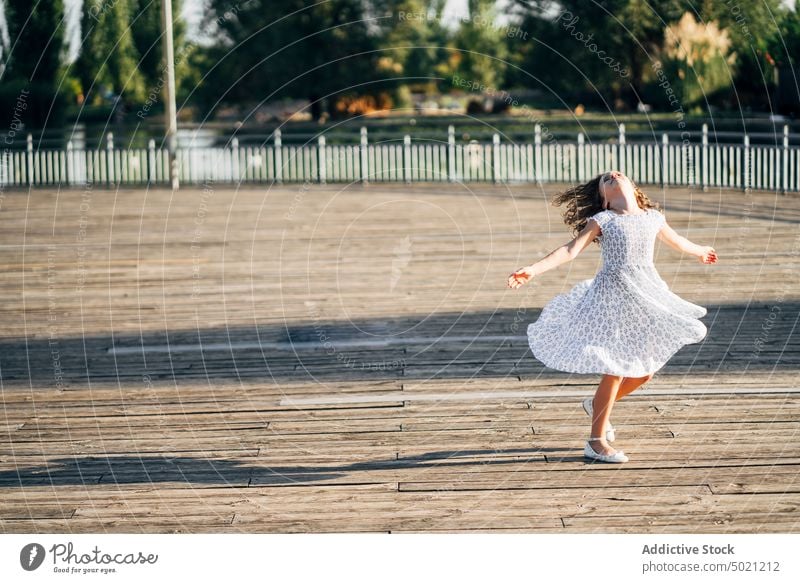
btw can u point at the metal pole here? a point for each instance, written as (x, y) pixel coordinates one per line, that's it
(170, 110)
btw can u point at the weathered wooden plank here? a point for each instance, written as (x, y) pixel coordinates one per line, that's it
(181, 440)
(205, 522)
(35, 512)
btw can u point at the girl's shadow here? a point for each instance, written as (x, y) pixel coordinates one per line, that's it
(100, 470)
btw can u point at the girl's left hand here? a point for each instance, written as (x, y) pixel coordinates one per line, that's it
(519, 278)
(708, 255)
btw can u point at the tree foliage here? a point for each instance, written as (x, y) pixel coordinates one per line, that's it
(270, 49)
(36, 32)
(29, 91)
(599, 47)
(698, 58)
(352, 56)
(149, 42)
(482, 52)
(108, 61)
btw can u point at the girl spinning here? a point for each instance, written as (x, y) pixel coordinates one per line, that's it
(624, 323)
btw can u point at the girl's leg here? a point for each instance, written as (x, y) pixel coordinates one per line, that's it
(630, 384)
(603, 402)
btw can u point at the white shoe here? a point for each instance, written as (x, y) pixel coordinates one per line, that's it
(618, 457)
(587, 406)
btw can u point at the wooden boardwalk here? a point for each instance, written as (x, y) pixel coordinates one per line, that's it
(333, 358)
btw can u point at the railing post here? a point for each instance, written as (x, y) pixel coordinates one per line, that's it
(407, 158)
(363, 156)
(29, 161)
(151, 161)
(68, 169)
(236, 174)
(621, 149)
(785, 161)
(109, 157)
(321, 161)
(537, 153)
(278, 157)
(496, 158)
(704, 170)
(580, 158)
(664, 152)
(451, 153)
(5, 178)
(746, 164)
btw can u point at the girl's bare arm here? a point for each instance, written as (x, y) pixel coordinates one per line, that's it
(563, 254)
(684, 245)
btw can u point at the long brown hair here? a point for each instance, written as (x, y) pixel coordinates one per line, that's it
(584, 200)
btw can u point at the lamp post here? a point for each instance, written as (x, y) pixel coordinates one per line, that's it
(170, 110)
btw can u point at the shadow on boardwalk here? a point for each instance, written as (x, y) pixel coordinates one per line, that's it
(453, 345)
(93, 470)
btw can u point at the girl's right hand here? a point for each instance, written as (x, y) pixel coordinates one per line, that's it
(708, 255)
(519, 277)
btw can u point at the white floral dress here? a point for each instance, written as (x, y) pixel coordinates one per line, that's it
(625, 320)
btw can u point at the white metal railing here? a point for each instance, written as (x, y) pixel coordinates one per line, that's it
(740, 166)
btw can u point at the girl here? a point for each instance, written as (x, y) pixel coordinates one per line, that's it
(624, 323)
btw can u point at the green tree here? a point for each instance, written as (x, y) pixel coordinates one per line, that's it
(33, 61)
(698, 59)
(784, 43)
(108, 59)
(148, 40)
(783, 57)
(750, 26)
(483, 52)
(633, 32)
(36, 30)
(4, 46)
(288, 48)
(413, 43)
(601, 47)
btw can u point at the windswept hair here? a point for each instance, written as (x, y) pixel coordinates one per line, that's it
(584, 200)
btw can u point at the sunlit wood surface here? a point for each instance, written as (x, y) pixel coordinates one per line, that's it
(348, 358)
